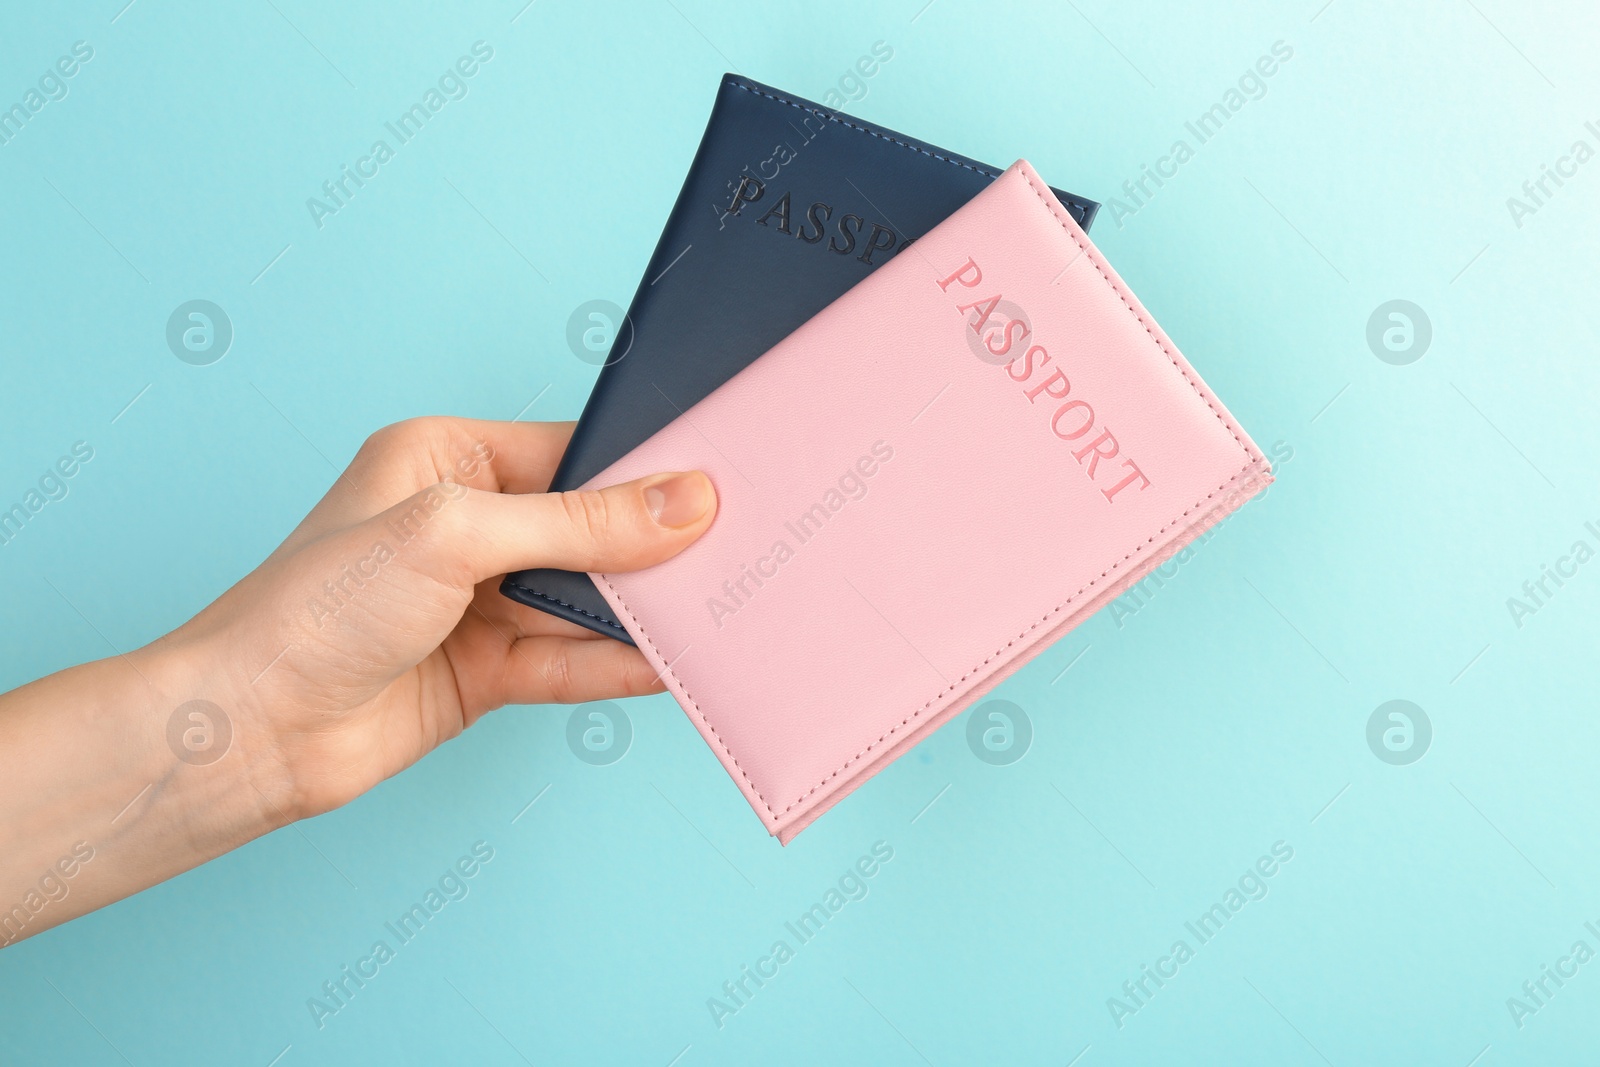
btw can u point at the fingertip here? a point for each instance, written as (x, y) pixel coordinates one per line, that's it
(680, 499)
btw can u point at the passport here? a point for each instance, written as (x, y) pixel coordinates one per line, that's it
(1011, 442)
(787, 205)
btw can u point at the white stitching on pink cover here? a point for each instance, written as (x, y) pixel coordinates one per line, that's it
(1252, 459)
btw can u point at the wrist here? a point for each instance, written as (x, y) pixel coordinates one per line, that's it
(212, 740)
(112, 767)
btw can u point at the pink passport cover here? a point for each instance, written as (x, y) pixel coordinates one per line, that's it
(920, 489)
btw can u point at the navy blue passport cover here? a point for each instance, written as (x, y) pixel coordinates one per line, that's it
(787, 205)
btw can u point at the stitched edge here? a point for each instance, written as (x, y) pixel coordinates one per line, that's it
(1149, 327)
(776, 814)
(833, 116)
(1252, 465)
(1252, 461)
(571, 607)
(830, 116)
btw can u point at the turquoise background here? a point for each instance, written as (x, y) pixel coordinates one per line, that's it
(1226, 714)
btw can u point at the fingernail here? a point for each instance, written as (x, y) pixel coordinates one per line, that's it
(679, 499)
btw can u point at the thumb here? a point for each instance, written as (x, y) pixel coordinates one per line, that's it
(618, 528)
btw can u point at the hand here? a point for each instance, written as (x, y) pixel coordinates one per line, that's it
(377, 631)
(374, 633)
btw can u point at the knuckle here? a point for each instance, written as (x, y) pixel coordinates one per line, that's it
(453, 521)
(404, 435)
(588, 512)
(386, 440)
(639, 678)
(560, 676)
(437, 522)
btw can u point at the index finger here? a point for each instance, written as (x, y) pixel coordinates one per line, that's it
(406, 457)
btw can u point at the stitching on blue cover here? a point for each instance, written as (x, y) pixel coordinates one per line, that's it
(571, 607)
(830, 116)
(833, 116)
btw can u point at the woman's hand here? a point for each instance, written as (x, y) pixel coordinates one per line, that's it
(374, 633)
(377, 630)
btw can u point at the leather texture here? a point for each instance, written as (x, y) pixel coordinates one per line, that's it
(921, 489)
(726, 283)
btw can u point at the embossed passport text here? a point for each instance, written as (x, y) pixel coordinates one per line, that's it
(922, 488)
